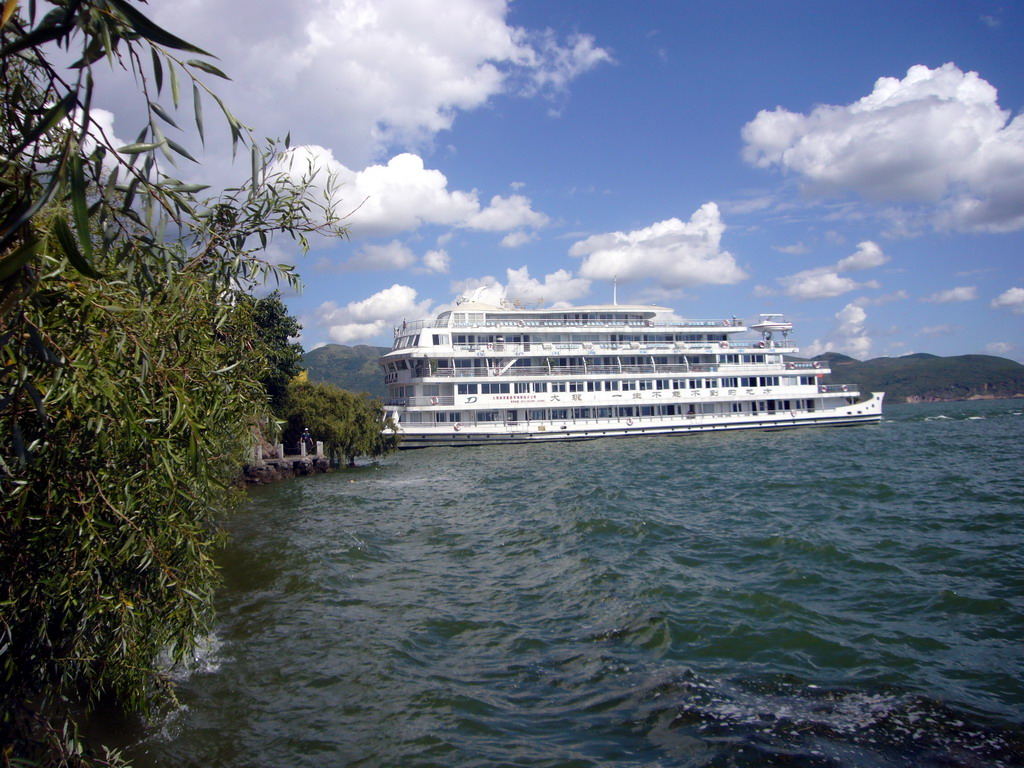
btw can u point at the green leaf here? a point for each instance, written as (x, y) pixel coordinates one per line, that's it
(158, 70)
(70, 247)
(189, 187)
(180, 150)
(197, 106)
(174, 84)
(80, 205)
(135, 149)
(162, 114)
(18, 258)
(206, 67)
(19, 215)
(54, 115)
(145, 27)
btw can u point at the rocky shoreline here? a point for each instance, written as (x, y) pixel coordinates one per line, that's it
(264, 471)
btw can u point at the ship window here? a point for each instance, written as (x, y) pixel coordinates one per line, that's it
(487, 416)
(646, 384)
(440, 338)
(559, 413)
(593, 386)
(611, 386)
(664, 384)
(629, 385)
(627, 411)
(730, 381)
(581, 413)
(522, 386)
(535, 415)
(467, 389)
(575, 386)
(558, 386)
(540, 386)
(494, 388)
(603, 413)
(646, 410)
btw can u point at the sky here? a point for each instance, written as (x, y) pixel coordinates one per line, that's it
(857, 166)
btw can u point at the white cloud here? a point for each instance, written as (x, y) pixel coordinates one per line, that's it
(437, 261)
(960, 293)
(850, 327)
(557, 289)
(850, 335)
(505, 213)
(822, 283)
(1012, 299)
(794, 250)
(936, 136)
(403, 195)
(517, 238)
(867, 255)
(1001, 348)
(371, 317)
(393, 255)
(826, 282)
(367, 75)
(899, 295)
(672, 252)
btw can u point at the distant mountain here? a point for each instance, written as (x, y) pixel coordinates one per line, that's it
(351, 368)
(913, 378)
(924, 378)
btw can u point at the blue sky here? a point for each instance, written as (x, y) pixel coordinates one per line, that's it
(858, 166)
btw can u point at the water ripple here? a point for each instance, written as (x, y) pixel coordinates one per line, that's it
(847, 597)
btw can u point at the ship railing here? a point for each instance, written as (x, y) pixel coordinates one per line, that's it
(831, 389)
(644, 347)
(536, 371)
(524, 324)
(422, 400)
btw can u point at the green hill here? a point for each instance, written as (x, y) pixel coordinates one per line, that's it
(351, 368)
(924, 378)
(913, 378)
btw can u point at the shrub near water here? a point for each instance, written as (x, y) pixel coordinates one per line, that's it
(130, 368)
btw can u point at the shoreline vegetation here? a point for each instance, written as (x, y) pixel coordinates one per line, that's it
(136, 363)
(918, 378)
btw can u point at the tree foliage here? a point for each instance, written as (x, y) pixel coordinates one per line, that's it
(350, 425)
(275, 329)
(130, 370)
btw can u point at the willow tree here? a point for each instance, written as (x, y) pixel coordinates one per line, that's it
(349, 424)
(129, 377)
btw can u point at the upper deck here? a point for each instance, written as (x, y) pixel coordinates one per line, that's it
(609, 317)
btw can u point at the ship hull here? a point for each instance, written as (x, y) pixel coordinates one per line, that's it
(868, 411)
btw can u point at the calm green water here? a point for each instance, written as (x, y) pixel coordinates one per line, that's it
(830, 597)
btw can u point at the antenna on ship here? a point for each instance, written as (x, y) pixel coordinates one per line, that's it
(615, 290)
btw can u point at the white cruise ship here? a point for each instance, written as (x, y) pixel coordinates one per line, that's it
(480, 373)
